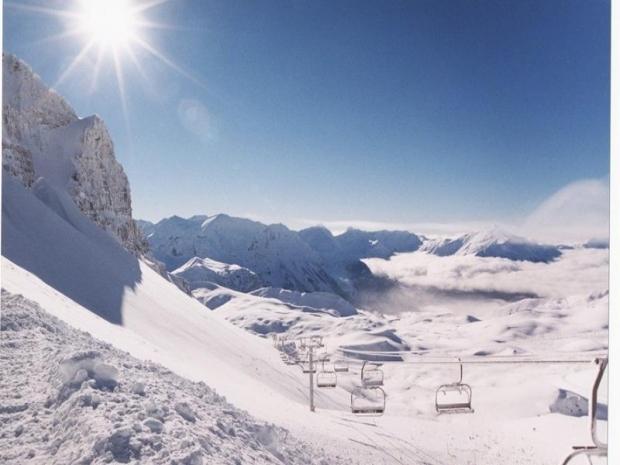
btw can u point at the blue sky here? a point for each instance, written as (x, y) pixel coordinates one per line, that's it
(382, 111)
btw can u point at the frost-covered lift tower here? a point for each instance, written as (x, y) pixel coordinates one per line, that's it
(308, 363)
(597, 448)
(454, 397)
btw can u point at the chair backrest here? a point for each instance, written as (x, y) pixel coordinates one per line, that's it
(602, 365)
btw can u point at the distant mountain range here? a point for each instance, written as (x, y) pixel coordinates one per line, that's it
(493, 243)
(201, 248)
(307, 261)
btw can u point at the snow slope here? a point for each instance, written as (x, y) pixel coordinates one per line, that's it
(492, 243)
(325, 301)
(73, 399)
(513, 423)
(199, 272)
(58, 258)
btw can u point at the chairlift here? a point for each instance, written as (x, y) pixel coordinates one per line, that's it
(368, 401)
(326, 378)
(597, 448)
(341, 366)
(454, 397)
(316, 341)
(304, 363)
(371, 375)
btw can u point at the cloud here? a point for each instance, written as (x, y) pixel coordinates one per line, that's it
(467, 281)
(577, 212)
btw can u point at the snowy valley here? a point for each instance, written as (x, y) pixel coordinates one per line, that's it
(137, 342)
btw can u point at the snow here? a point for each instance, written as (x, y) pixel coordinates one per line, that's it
(311, 260)
(200, 272)
(273, 252)
(158, 322)
(72, 399)
(324, 301)
(492, 243)
(355, 244)
(141, 386)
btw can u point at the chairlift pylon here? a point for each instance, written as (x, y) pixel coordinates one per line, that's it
(597, 448)
(368, 401)
(371, 375)
(454, 397)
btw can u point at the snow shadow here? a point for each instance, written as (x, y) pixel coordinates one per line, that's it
(45, 233)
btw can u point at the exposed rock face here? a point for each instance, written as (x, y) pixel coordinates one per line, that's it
(43, 137)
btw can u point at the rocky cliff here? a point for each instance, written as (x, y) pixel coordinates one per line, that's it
(43, 137)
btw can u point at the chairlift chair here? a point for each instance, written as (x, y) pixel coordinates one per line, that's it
(371, 375)
(454, 397)
(326, 378)
(341, 366)
(597, 448)
(304, 363)
(368, 401)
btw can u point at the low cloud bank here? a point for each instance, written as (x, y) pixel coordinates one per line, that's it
(576, 213)
(424, 280)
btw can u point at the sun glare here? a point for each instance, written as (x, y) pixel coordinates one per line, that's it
(110, 23)
(110, 33)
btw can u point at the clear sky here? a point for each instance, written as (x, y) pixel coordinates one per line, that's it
(386, 111)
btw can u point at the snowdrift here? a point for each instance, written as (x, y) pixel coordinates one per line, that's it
(73, 399)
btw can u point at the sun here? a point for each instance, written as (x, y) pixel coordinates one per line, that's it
(109, 23)
(112, 33)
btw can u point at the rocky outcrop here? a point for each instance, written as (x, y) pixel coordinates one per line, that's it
(43, 137)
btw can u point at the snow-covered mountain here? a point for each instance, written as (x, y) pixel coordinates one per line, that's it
(276, 254)
(310, 260)
(493, 243)
(200, 272)
(355, 244)
(43, 137)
